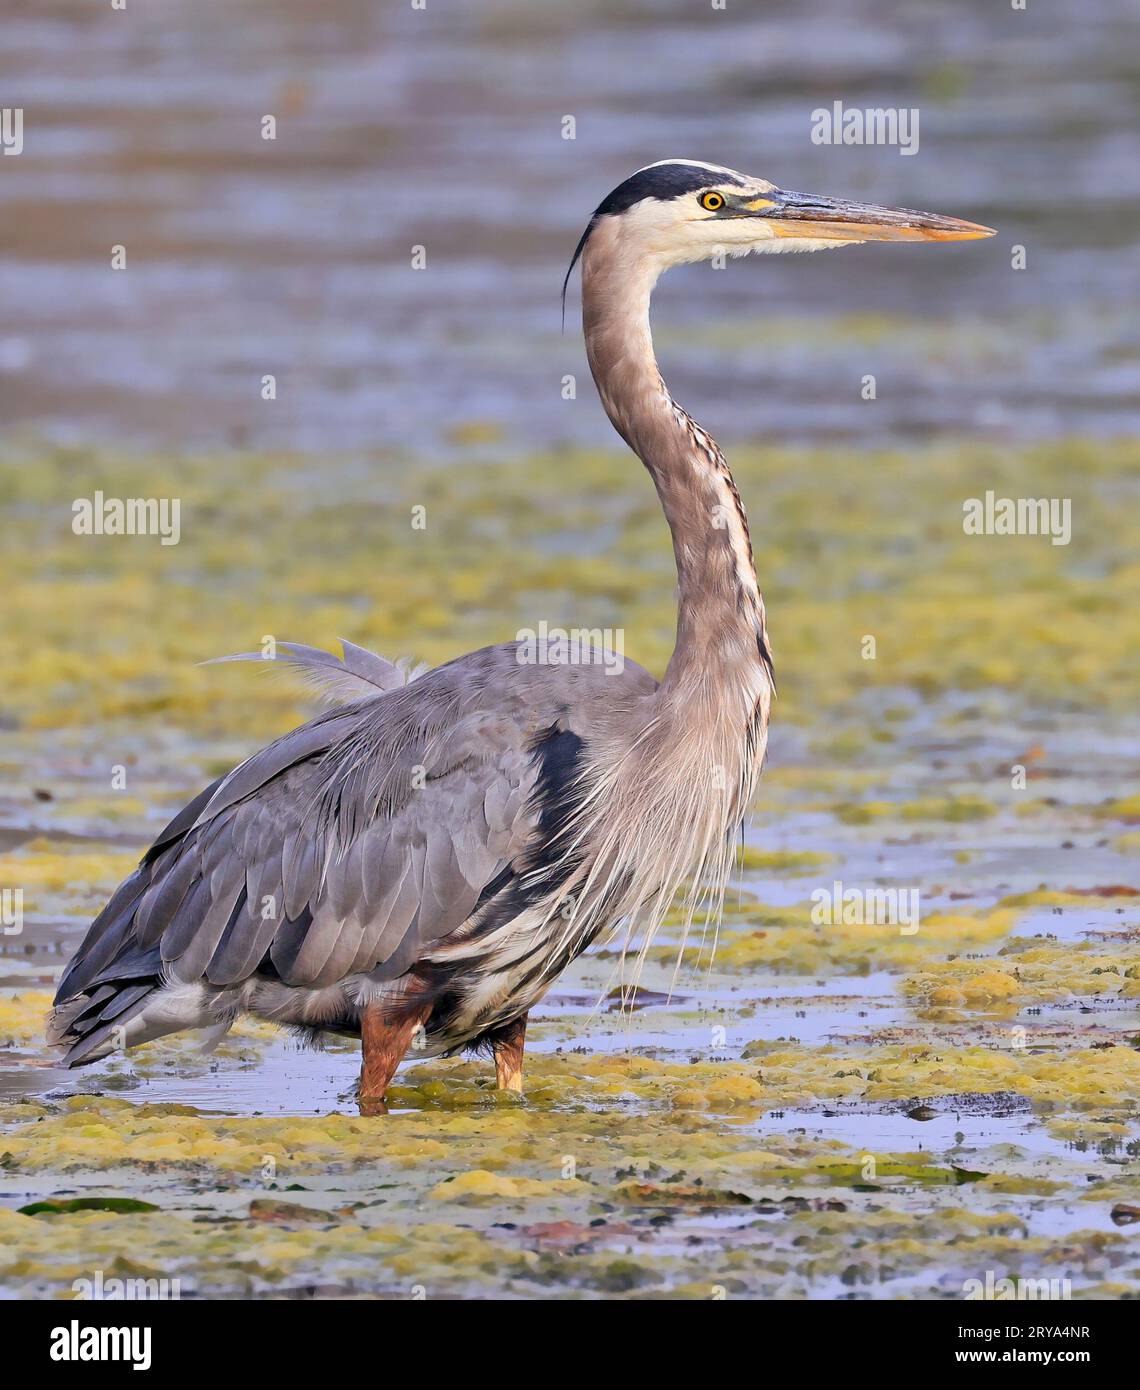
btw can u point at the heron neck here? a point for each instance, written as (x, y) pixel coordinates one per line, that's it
(721, 642)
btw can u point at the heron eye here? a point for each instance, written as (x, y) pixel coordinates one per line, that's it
(712, 202)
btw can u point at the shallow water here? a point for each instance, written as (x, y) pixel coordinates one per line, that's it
(1036, 1163)
(443, 128)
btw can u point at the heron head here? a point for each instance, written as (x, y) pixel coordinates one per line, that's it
(681, 210)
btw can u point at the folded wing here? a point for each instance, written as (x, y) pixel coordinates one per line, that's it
(350, 845)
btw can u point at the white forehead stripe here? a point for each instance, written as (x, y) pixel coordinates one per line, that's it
(692, 164)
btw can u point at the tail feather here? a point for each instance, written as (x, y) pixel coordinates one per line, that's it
(86, 1024)
(97, 1001)
(91, 1036)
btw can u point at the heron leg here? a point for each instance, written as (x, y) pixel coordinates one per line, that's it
(508, 1047)
(384, 1039)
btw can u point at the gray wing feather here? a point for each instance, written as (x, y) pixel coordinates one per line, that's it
(164, 897)
(344, 882)
(324, 854)
(356, 675)
(242, 949)
(495, 805)
(476, 862)
(287, 943)
(329, 934)
(179, 933)
(300, 870)
(188, 944)
(394, 925)
(313, 740)
(105, 937)
(368, 901)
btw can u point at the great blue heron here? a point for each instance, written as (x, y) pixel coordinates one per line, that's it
(426, 859)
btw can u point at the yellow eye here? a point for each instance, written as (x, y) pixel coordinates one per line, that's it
(712, 202)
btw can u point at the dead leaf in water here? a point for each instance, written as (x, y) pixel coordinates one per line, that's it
(271, 1209)
(1106, 890)
(668, 1194)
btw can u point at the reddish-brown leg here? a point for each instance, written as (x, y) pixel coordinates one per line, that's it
(509, 1055)
(384, 1039)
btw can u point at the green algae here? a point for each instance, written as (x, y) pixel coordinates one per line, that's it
(57, 1206)
(949, 809)
(967, 1099)
(450, 1203)
(910, 575)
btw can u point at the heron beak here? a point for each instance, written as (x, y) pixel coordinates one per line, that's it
(837, 219)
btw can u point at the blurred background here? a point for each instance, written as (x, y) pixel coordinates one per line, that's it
(442, 127)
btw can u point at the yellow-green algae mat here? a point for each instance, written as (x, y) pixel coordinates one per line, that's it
(813, 1109)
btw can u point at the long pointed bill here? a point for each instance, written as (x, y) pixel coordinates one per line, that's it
(837, 219)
